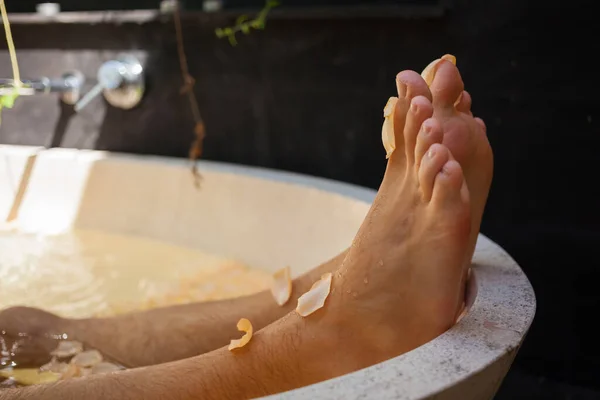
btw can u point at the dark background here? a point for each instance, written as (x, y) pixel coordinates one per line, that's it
(306, 95)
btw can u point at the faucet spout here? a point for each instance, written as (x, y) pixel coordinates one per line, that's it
(68, 86)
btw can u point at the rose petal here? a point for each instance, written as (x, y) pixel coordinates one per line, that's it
(315, 298)
(54, 366)
(429, 72)
(30, 376)
(88, 358)
(104, 367)
(281, 288)
(387, 130)
(67, 348)
(245, 326)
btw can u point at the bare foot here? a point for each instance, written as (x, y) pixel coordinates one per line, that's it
(464, 135)
(400, 285)
(409, 256)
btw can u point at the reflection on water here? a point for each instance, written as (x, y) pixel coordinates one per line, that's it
(83, 273)
(31, 360)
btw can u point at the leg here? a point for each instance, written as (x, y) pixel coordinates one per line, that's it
(401, 278)
(177, 332)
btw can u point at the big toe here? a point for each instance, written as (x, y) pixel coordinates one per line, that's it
(447, 86)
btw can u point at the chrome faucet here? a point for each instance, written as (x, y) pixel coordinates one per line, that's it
(68, 86)
(121, 81)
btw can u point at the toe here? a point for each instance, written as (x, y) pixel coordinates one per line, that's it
(481, 124)
(410, 85)
(463, 104)
(430, 133)
(420, 110)
(431, 165)
(447, 85)
(449, 182)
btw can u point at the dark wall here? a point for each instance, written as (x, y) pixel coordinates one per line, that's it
(307, 96)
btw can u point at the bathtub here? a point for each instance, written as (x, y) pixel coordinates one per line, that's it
(271, 218)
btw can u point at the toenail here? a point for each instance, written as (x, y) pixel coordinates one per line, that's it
(414, 108)
(431, 153)
(426, 128)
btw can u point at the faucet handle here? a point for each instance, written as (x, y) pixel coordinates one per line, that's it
(121, 81)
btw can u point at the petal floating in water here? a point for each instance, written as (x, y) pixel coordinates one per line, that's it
(88, 358)
(104, 367)
(67, 348)
(30, 376)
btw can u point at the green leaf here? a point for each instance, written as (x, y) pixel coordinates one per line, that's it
(232, 40)
(240, 20)
(257, 24)
(8, 100)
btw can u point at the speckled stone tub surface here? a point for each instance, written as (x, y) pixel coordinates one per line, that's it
(302, 220)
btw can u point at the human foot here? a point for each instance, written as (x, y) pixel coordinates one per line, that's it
(464, 135)
(401, 282)
(400, 285)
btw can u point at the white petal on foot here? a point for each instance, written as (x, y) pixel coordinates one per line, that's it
(245, 326)
(428, 73)
(387, 130)
(314, 299)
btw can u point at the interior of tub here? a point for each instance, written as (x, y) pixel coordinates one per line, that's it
(91, 233)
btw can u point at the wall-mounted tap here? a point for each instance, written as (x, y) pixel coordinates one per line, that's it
(121, 81)
(68, 86)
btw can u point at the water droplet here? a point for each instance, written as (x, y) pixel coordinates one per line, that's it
(380, 262)
(348, 291)
(354, 294)
(366, 280)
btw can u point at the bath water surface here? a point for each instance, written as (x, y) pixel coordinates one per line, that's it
(84, 273)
